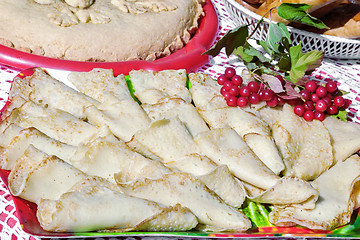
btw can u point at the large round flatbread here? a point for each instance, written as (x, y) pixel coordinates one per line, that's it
(106, 30)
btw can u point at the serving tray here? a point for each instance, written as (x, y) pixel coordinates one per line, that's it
(26, 213)
(332, 46)
(190, 57)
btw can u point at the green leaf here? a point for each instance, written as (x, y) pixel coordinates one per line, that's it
(277, 33)
(303, 63)
(258, 214)
(231, 40)
(296, 12)
(342, 115)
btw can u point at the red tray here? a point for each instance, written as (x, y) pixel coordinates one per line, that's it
(189, 57)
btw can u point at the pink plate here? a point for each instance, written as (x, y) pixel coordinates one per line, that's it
(189, 57)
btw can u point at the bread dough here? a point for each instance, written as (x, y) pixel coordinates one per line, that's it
(99, 30)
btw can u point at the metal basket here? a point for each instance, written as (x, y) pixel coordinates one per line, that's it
(333, 47)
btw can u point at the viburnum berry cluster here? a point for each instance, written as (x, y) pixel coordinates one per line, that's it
(320, 100)
(236, 93)
(315, 101)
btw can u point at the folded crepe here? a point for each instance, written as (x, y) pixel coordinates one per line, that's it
(177, 108)
(98, 81)
(345, 137)
(170, 140)
(188, 191)
(305, 146)
(47, 91)
(90, 206)
(55, 123)
(151, 86)
(37, 175)
(225, 146)
(211, 105)
(108, 157)
(123, 117)
(20, 139)
(338, 199)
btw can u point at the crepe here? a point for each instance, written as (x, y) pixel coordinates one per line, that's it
(37, 175)
(152, 86)
(90, 207)
(345, 137)
(49, 92)
(170, 140)
(177, 108)
(211, 105)
(98, 81)
(336, 203)
(184, 189)
(55, 123)
(305, 146)
(123, 117)
(106, 156)
(21, 139)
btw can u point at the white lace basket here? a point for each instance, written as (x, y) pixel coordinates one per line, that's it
(333, 47)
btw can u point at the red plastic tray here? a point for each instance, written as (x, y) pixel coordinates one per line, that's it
(190, 57)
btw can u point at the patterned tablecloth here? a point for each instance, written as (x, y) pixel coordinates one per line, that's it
(346, 72)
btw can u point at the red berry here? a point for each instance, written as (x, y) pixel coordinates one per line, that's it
(299, 110)
(221, 79)
(254, 98)
(331, 87)
(281, 101)
(332, 110)
(339, 101)
(321, 91)
(229, 72)
(319, 116)
(309, 105)
(321, 106)
(311, 86)
(327, 100)
(273, 102)
(308, 115)
(231, 101)
(242, 101)
(293, 101)
(347, 103)
(227, 85)
(237, 80)
(305, 94)
(234, 90)
(266, 94)
(314, 97)
(245, 91)
(253, 86)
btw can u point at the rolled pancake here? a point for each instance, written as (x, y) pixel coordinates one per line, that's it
(175, 107)
(336, 203)
(305, 146)
(345, 137)
(184, 189)
(211, 105)
(55, 123)
(152, 86)
(171, 141)
(47, 91)
(21, 139)
(37, 175)
(225, 146)
(98, 81)
(92, 207)
(124, 117)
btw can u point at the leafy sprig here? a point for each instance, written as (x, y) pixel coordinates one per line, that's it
(276, 54)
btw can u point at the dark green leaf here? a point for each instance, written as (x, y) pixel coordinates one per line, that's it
(297, 13)
(231, 40)
(277, 33)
